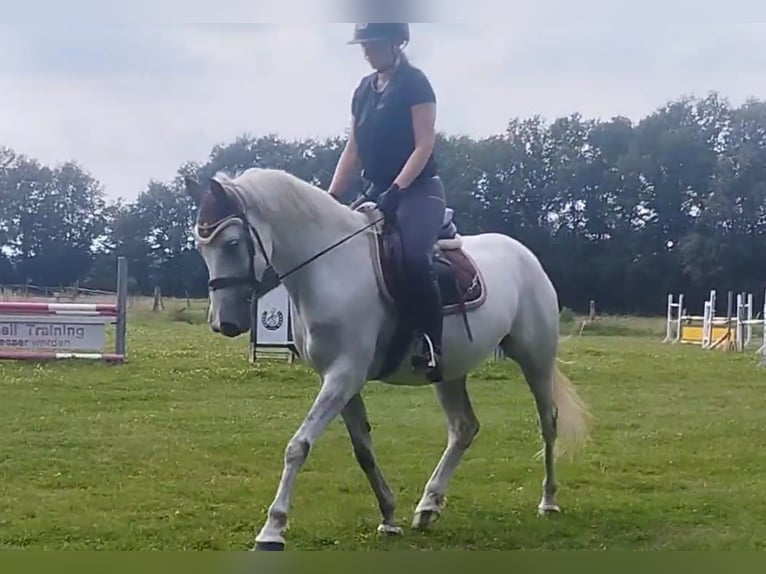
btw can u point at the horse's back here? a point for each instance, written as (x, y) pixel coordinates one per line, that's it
(501, 257)
(518, 287)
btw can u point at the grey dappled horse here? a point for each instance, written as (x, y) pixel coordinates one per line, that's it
(340, 275)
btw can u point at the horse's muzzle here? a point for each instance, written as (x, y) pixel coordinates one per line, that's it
(229, 329)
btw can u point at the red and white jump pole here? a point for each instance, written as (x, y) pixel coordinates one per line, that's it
(37, 331)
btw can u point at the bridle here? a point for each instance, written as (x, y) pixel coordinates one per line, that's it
(249, 279)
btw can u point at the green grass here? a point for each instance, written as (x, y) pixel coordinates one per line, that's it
(182, 448)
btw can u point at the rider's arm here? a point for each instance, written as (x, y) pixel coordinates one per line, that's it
(348, 166)
(422, 101)
(424, 127)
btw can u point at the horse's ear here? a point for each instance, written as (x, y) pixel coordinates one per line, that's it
(218, 191)
(193, 189)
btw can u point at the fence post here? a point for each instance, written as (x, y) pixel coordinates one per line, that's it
(122, 306)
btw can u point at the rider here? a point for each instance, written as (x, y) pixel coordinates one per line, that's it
(392, 139)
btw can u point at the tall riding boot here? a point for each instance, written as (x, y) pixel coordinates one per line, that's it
(430, 323)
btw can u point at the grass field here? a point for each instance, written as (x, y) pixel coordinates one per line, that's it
(181, 448)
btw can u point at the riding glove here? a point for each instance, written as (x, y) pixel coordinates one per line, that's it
(388, 202)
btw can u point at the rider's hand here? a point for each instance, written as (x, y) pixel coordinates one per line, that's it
(388, 202)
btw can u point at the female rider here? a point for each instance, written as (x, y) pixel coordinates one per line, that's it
(392, 138)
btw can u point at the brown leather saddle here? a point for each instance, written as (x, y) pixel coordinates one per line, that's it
(460, 282)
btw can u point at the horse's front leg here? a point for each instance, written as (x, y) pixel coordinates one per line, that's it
(338, 387)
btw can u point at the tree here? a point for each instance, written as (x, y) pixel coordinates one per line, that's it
(617, 211)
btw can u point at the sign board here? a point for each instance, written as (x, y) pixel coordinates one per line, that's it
(273, 322)
(52, 333)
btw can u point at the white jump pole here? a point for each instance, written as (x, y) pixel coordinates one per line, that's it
(708, 316)
(739, 334)
(762, 349)
(673, 321)
(669, 319)
(745, 320)
(680, 317)
(706, 325)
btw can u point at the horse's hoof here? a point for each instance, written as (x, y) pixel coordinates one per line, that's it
(389, 530)
(269, 546)
(424, 519)
(548, 509)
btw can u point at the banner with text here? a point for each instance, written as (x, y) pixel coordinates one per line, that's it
(52, 333)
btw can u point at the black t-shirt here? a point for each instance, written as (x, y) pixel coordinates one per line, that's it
(383, 123)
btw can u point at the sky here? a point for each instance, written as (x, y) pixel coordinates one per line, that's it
(133, 94)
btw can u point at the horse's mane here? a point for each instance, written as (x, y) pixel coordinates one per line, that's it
(277, 195)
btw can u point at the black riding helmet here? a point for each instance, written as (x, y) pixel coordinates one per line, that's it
(396, 33)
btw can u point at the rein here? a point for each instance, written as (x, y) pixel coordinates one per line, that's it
(330, 248)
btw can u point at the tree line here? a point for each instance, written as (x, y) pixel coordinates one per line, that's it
(618, 211)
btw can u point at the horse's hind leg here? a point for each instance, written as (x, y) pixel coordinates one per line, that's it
(541, 385)
(538, 367)
(355, 416)
(462, 426)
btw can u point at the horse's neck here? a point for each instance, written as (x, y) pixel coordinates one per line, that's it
(296, 239)
(296, 247)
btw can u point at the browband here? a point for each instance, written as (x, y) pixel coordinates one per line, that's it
(207, 232)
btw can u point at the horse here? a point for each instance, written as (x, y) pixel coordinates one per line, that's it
(338, 264)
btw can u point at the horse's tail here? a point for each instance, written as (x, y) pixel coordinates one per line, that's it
(573, 417)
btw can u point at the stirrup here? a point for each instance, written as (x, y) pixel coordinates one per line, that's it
(431, 364)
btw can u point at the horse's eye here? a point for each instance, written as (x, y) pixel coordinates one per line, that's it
(232, 244)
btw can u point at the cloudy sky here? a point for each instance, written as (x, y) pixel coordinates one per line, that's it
(134, 94)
